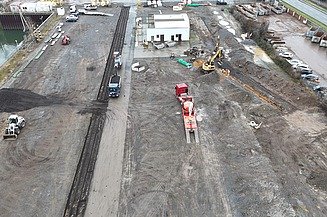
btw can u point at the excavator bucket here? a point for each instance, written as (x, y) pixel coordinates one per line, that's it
(9, 136)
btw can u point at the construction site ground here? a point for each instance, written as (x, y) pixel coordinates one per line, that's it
(145, 167)
(235, 170)
(55, 95)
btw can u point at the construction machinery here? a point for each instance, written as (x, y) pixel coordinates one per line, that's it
(188, 112)
(15, 124)
(117, 60)
(114, 86)
(194, 52)
(209, 65)
(65, 40)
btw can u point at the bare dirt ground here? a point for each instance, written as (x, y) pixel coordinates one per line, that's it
(54, 94)
(235, 170)
(277, 170)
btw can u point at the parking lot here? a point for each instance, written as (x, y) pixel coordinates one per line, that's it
(293, 33)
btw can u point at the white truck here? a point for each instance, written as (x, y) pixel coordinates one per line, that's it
(117, 60)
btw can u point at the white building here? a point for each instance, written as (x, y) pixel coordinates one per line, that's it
(14, 7)
(30, 7)
(168, 27)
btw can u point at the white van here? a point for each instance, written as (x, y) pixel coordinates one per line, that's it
(72, 9)
(89, 6)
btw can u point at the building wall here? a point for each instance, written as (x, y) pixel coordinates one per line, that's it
(28, 7)
(43, 7)
(185, 34)
(31, 7)
(14, 8)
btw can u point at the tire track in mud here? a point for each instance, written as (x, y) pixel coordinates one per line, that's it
(78, 196)
(156, 187)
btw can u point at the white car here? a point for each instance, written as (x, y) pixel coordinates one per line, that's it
(319, 88)
(305, 71)
(302, 66)
(88, 6)
(281, 49)
(71, 18)
(294, 62)
(310, 77)
(286, 54)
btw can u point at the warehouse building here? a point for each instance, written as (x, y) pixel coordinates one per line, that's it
(168, 27)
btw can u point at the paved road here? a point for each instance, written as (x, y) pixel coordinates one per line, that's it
(105, 189)
(313, 12)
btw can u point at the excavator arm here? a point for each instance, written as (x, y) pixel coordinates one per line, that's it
(209, 65)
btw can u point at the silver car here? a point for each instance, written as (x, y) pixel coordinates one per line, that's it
(71, 18)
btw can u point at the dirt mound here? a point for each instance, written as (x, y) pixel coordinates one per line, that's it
(318, 179)
(211, 78)
(13, 100)
(282, 84)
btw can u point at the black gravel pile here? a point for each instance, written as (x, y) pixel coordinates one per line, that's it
(14, 100)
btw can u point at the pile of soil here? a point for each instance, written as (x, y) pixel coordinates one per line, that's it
(14, 100)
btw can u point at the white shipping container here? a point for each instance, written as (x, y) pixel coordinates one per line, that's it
(30, 7)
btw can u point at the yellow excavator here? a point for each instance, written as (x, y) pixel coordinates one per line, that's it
(209, 65)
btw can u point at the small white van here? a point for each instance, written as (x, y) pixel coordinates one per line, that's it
(88, 6)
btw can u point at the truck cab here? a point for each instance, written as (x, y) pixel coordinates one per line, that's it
(114, 86)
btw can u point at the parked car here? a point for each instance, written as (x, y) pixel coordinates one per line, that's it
(75, 13)
(71, 18)
(294, 62)
(305, 71)
(281, 49)
(170, 43)
(319, 88)
(286, 54)
(302, 66)
(89, 6)
(310, 77)
(159, 45)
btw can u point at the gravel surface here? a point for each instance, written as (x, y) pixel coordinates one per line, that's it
(55, 96)
(277, 170)
(235, 170)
